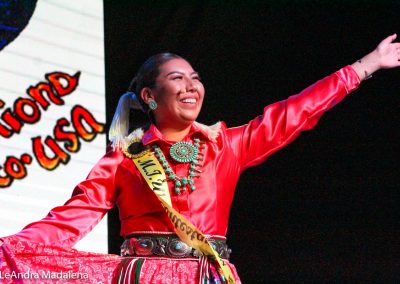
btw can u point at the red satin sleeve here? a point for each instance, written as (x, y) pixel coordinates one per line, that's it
(283, 121)
(91, 199)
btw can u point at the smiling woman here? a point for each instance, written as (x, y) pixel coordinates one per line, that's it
(179, 96)
(173, 179)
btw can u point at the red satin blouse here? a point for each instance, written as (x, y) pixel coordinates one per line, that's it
(114, 180)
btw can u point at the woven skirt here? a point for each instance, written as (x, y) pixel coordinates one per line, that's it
(28, 262)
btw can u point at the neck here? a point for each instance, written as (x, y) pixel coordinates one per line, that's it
(171, 133)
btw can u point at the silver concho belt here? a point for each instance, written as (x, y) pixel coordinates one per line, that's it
(167, 246)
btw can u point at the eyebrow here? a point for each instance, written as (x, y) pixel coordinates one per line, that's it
(181, 73)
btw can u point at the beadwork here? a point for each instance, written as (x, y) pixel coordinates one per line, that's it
(180, 184)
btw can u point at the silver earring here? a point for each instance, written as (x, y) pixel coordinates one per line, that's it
(152, 104)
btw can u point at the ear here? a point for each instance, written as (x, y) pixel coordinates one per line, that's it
(146, 95)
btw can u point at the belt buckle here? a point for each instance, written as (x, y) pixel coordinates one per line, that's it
(167, 246)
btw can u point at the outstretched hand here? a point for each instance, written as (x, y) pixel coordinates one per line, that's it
(388, 52)
(385, 55)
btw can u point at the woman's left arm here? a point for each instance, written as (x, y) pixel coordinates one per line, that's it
(283, 121)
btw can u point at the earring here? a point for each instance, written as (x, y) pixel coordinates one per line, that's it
(152, 104)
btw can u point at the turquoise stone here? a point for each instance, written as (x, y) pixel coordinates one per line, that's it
(184, 181)
(181, 152)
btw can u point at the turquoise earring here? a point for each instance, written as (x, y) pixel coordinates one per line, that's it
(152, 104)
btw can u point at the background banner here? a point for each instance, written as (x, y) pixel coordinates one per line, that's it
(52, 107)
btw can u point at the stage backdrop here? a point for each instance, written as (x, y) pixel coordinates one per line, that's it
(52, 107)
(326, 208)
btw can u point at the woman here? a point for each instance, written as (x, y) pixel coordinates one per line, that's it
(173, 179)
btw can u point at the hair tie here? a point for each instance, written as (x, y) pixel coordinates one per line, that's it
(120, 123)
(135, 102)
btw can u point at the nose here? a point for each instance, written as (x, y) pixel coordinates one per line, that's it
(190, 85)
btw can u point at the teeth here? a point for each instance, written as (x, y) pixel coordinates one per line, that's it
(190, 101)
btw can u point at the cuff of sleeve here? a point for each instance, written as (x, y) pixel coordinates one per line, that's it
(349, 77)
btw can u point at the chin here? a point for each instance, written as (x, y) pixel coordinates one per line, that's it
(189, 117)
(189, 120)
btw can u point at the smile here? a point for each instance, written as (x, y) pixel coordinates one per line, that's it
(189, 101)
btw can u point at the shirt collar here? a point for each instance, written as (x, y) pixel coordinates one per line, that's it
(209, 133)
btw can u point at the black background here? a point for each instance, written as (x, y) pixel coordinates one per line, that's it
(325, 208)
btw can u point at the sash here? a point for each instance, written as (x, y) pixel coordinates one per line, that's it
(154, 174)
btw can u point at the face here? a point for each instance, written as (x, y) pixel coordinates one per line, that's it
(179, 94)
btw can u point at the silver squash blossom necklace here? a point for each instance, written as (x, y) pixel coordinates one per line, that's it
(182, 152)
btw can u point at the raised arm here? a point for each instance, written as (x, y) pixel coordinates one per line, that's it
(283, 121)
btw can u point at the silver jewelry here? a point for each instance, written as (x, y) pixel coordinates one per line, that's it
(152, 104)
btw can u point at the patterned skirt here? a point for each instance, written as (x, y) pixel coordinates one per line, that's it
(28, 262)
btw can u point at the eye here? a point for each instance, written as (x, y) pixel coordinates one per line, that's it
(196, 77)
(179, 77)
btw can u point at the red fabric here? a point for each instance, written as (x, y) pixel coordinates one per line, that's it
(167, 271)
(29, 262)
(115, 180)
